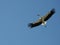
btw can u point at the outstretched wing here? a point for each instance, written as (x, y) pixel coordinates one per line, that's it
(49, 14)
(35, 23)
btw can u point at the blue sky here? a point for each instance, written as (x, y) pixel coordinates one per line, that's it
(15, 15)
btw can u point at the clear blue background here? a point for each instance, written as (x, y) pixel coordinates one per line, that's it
(15, 15)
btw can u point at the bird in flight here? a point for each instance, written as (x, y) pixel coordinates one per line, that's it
(42, 20)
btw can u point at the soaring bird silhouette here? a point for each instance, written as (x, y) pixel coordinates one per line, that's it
(42, 20)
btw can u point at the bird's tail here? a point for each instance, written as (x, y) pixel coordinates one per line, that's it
(44, 24)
